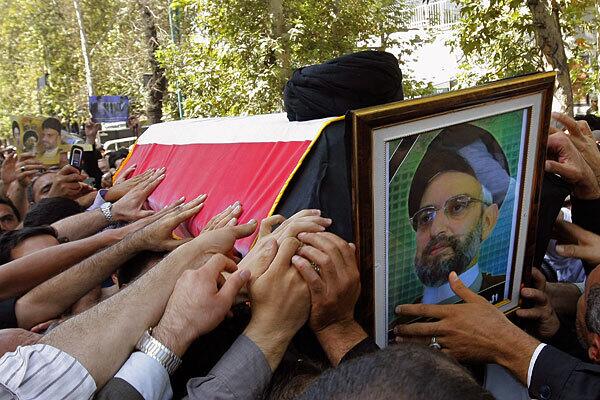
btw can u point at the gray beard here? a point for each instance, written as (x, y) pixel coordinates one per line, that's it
(433, 271)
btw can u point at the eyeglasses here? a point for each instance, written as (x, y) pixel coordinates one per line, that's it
(454, 208)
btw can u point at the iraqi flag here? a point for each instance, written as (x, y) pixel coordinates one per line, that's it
(246, 159)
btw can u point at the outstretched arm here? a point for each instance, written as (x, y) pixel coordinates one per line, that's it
(113, 327)
(127, 209)
(23, 274)
(53, 297)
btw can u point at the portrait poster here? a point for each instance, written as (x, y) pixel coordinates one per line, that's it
(451, 190)
(50, 148)
(26, 133)
(109, 109)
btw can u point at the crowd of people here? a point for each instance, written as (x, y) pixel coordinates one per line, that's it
(99, 299)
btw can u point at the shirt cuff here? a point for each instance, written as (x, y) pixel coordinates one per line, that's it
(99, 200)
(534, 357)
(43, 371)
(147, 376)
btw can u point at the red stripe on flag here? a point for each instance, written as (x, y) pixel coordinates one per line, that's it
(253, 173)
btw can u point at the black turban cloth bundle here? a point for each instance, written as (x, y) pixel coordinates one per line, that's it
(350, 82)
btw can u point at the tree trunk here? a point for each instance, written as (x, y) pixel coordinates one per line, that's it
(157, 84)
(279, 32)
(549, 38)
(84, 51)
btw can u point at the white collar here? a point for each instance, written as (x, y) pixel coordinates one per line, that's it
(472, 278)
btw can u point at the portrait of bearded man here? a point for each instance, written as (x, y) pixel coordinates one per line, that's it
(454, 202)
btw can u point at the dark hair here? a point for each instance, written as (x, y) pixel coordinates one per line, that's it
(137, 266)
(116, 155)
(11, 239)
(295, 373)
(592, 311)
(52, 123)
(8, 202)
(408, 371)
(50, 210)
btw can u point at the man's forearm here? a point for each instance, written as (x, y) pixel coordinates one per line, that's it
(273, 344)
(515, 353)
(82, 225)
(53, 297)
(115, 325)
(339, 339)
(23, 274)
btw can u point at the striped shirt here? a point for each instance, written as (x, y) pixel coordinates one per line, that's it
(43, 372)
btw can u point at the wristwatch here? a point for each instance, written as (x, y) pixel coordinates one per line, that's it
(106, 210)
(161, 353)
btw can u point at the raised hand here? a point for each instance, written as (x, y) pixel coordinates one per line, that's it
(541, 314)
(122, 185)
(280, 302)
(336, 287)
(8, 174)
(576, 242)
(91, 131)
(130, 206)
(68, 183)
(328, 265)
(581, 136)
(157, 235)
(26, 168)
(199, 302)
(302, 221)
(475, 331)
(565, 160)
(228, 216)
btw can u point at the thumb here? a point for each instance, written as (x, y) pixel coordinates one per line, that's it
(539, 280)
(266, 225)
(234, 284)
(459, 288)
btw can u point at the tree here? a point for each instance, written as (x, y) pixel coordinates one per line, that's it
(236, 55)
(157, 84)
(42, 37)
(505, 38)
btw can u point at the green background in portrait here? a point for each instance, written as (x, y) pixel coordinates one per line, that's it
(403, 284)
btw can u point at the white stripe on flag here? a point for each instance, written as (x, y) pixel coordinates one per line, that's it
(254, 129)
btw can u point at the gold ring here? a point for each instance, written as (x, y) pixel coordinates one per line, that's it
(315, 267)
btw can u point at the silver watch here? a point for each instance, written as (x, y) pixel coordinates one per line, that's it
(161, 353)
(106, 211)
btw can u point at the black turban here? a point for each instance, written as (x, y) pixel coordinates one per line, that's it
(350, 82)
(52, 123)
(462, 148)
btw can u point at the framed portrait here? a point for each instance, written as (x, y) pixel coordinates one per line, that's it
(448, 183)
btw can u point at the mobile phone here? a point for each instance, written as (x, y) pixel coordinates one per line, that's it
(76, 156)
